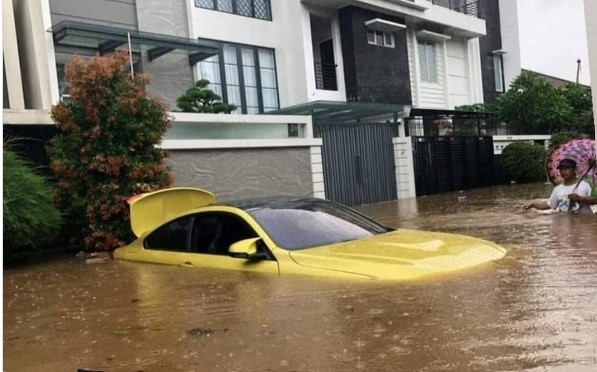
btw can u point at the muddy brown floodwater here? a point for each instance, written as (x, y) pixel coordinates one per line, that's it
(535, 310)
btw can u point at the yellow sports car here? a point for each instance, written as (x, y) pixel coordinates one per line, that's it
(185, 227)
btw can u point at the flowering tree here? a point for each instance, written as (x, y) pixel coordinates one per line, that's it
(105, 149)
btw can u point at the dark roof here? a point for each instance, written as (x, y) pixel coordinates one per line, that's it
(556, 81)
(274, 202)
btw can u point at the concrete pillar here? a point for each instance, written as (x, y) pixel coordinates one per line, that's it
(12, 65)
(405, 170)
(36, 53)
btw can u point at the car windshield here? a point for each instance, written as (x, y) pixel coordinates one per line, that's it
(314, 223)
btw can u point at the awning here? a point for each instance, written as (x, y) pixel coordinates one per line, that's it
(105, 39)
(344, 111)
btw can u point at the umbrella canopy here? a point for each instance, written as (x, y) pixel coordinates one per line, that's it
(582, 151)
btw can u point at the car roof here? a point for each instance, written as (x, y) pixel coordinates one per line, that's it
(275, 202)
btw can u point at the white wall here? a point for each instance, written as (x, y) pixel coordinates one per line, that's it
(459, 80)
(458, 72)
(591, 23)
(283, 34)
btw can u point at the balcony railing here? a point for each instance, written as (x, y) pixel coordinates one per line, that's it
(469, 7)
(325, 76)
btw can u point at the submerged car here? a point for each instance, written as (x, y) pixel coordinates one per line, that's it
(283, 235)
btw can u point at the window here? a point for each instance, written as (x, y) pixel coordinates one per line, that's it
(498, 73)
(171, 237)
(260, 9)
(63, 85)
(313, 224)
(214, 233)
(380, 38)
(427, 61)
(244, 76)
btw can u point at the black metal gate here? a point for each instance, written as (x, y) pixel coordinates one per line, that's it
(358, 161)
(445, 164)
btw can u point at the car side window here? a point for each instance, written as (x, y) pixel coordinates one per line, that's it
(214, 232)
(173, 236)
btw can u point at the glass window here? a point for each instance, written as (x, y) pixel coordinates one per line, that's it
(260, 9)
(210, 70)
(225, 6)
(214, 232)
(208, 4)
(498, 73)
(427, 63)
(380, 38)
(269, 88)
(250, 83)
(250, 77)
(314, 223)
(173, 236)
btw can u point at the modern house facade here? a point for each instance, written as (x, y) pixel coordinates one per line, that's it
(369, 60)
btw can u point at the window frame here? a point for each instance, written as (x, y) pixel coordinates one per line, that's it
(383, 38)
(235, 10)
(241, 75)
(424, 77)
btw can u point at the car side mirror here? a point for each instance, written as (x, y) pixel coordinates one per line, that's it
(246, 248)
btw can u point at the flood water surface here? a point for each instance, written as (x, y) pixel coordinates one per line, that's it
(535, 310)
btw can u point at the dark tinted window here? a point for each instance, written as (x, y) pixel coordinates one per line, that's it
(214, 233)
(171, 237)
(314, 223)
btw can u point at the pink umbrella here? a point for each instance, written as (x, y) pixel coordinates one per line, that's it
(580, 150)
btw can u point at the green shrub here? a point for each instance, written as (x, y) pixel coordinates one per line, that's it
(30, 217)
(558, 139)
(523, 162)
(106, 149)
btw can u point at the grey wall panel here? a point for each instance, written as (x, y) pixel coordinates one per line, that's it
(172, 76)
(172, 72)
(242, 173)
(119, 13)
(168, 18)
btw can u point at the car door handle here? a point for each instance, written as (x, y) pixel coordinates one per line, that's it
(186, 264)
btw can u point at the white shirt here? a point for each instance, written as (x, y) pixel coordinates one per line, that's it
(559, 198)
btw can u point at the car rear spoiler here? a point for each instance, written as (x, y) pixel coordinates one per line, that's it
(152, 209)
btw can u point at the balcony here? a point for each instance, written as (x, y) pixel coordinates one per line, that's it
(468, 7)
(325, 76)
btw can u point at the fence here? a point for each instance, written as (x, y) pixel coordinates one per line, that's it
(430, 123)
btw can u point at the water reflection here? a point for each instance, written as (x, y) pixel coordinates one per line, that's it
(533, 310)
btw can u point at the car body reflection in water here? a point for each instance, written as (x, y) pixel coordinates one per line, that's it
(533, 310)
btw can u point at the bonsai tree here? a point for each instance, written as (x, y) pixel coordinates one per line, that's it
(202, 99)
(105, 149)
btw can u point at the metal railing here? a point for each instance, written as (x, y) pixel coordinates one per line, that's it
(457, 125)
(469, 7)
(325, 76)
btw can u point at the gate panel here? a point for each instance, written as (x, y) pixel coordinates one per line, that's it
(358, 161)
(445, 164)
